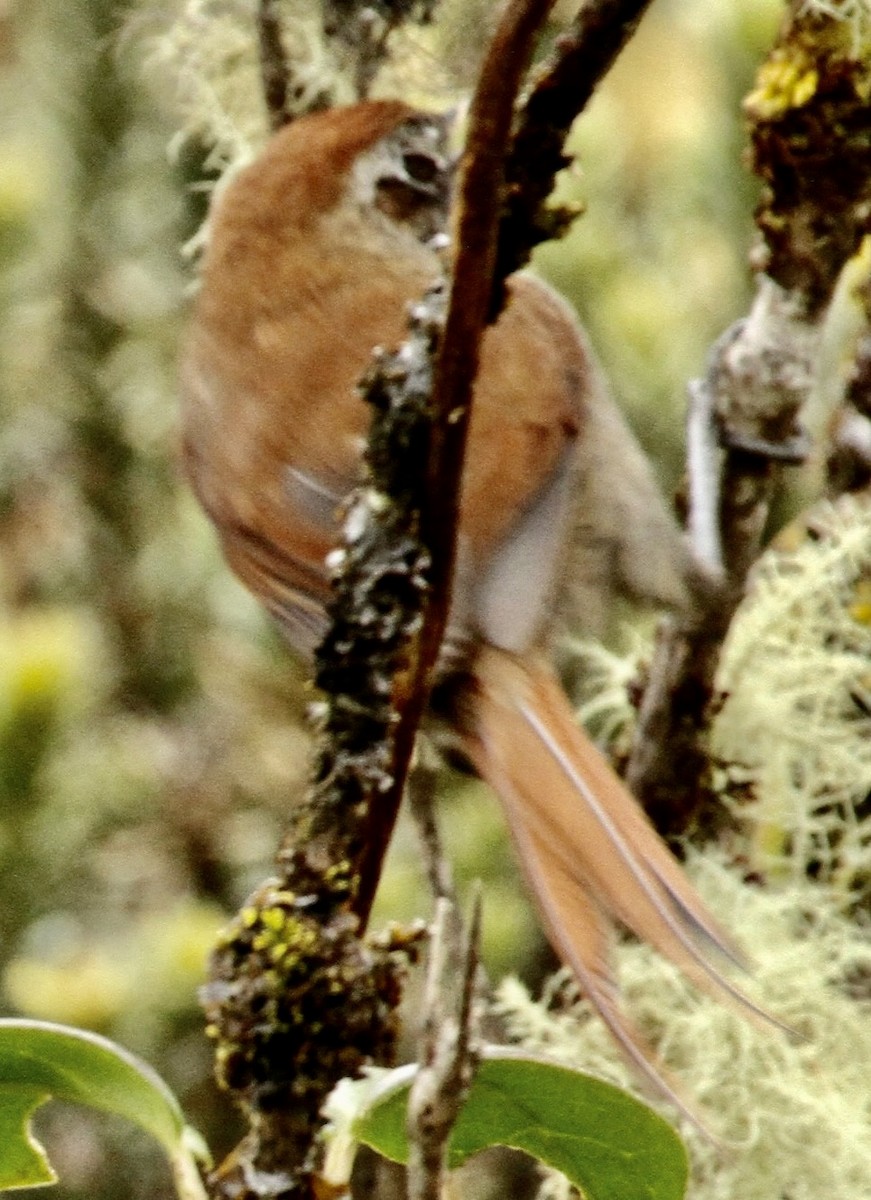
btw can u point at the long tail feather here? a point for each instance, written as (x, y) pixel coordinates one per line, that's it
(589, 853)
(585, 948)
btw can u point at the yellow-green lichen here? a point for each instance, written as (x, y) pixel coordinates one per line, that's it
(283, 936)
(341, 876)
(787, 80)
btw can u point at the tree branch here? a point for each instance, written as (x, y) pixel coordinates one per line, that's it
(806, 112)
(559, 92)
(296, 1000)
(274, 66)
(448, 1051)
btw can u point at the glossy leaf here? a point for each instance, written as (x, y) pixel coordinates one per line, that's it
(606, 1142)
(40, 1061)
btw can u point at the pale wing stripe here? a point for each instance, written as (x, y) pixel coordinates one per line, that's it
(638, 872)
(578, 930)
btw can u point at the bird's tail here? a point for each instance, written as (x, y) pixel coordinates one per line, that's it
(588, 851)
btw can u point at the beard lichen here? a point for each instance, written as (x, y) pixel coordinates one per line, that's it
(791, 1114)
(795, 722)
(792, 882)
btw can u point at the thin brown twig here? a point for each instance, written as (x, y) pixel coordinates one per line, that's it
(274, 66)
(489, 249)
(469, 305)
(559, 92)
(601, 29)
(479, 205)
(422, 794)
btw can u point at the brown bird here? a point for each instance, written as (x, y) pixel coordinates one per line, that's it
(314, 253)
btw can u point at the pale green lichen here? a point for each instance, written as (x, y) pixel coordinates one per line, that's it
(793, 744)
(796, 722)
(204, 56)
(793, 1114)
(856, 13)
(604, 679)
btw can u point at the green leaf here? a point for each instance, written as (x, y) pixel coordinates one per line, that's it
(22, 1160)
(41, 1061)
(610, 1145)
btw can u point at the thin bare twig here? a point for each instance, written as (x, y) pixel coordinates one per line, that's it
(422, 794)
(361, 30)
(559, 92)
(449, 1048)
(469, 306)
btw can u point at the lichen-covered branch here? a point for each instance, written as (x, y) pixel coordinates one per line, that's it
(296, 998)
(809, 117)
(810, 146)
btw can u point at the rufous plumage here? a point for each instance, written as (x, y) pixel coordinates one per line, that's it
(315, 252)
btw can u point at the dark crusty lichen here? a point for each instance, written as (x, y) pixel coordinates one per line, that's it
(297, 998)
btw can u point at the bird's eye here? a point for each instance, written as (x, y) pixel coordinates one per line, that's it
(421, 168)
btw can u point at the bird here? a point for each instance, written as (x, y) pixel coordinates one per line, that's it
(315, 251)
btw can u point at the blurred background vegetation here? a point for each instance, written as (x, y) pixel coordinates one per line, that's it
(151, 731)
